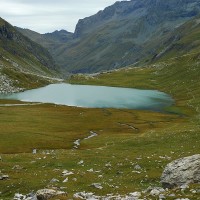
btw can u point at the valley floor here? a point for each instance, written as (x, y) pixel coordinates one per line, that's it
(129, 150)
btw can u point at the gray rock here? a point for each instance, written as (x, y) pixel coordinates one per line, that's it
(19, 196)
(66, 180)
(171, 195)
(34, 151)
(182, 172)
(156, 191)
(137, 167)
(4, 177)
(67, 173)
(162, 196)
(193, 191)
(24, 197)
(17, 167)
(54, 180)
(46, 194)
(97, 186)
(84, 195)
(135, 195)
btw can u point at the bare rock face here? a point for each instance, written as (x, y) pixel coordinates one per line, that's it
(182, 172)
(46, 194)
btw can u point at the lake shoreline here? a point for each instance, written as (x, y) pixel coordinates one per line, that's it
(87, 96)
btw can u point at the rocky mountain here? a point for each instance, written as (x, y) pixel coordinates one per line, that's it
(51, 41)
(23, 63)
(59, 36)
(124, 33)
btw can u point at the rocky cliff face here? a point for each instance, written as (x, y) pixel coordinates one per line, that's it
(4, 32)
(154, 11)
(125, 33)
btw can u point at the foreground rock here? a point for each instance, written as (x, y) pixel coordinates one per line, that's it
(24, 197)
(4, 177)
(46, 194)
(182, 172)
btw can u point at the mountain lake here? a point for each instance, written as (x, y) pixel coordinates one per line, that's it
(95, 97)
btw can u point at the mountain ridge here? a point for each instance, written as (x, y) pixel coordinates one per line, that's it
(124, 33)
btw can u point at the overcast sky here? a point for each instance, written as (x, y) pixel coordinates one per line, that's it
(48, 15)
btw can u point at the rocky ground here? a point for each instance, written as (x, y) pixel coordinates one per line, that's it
(31, 76)
(7, 86)
(176, 180)
(150, 193)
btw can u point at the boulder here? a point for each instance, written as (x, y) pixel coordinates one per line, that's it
(46, 194)
(181, 172)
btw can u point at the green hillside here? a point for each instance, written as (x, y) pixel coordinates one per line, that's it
(23, 63)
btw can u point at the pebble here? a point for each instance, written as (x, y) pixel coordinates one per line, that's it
(90, 170)
(66, 180)
(67, 173)
(81, 162)
(137, 167)
(97, 186)
(54, 180)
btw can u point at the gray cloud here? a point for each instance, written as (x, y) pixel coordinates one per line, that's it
(49, 15)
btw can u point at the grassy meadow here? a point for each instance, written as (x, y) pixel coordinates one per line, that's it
(125, 138)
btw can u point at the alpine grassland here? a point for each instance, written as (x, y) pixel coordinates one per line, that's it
(130, 149)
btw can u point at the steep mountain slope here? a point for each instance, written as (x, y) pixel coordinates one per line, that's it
(22, 62)
(182, 41)
(124, 33)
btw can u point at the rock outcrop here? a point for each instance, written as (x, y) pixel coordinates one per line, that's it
(7, 85)
(182, 172)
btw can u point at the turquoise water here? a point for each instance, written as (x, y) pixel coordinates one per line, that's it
(95, 97)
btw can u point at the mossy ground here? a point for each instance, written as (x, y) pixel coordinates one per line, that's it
(158, 138)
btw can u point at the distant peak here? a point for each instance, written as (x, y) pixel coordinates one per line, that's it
(59, 31)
